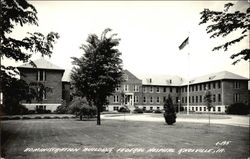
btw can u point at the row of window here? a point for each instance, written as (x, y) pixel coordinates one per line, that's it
(192, 88)
(126, 88)
(158, 89)
(117, 100)
(200, 99)
(203, 109)
(145, 99)
(202, 86)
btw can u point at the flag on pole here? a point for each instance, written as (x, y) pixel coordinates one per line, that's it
(184, 43)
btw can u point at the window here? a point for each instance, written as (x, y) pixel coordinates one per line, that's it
(41, 75)
(117, 88)
(205, 109)
(214, 98)
(219, 84)
(151, 89)
(164, 99)
(176, 90)
(136, 99)
(185, 89)
(116, 99)
(192, 99)
(125, 88)
(158, 108)
(136, 88)
(200, 87)
(219, 109)
(182, 99)
(144, 89)
(196, 87)
(196, 99)
(196, 108)
(204, 86)
(157, 89)
(200, 98)
(151, 99)
(214, 109)
(158, 99)
(144, 108)
(209, 87)
(177, 100)
(200, 108)
(236, 84)
(185, 99)
(192, 108)
(213, 85)
(219, 98)
(164, 89)
(236, 97)
(170, 89)
(115, 108)
(151, 108)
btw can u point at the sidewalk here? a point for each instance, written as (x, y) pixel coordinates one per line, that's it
(234, 120)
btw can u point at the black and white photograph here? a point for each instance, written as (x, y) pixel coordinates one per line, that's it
(125, 79)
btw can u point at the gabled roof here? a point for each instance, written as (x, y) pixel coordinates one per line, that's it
(215, 76)
(130, 75)
(161, 80)
(41, 64)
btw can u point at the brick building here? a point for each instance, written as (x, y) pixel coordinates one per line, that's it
(151, 91)
(50, 76)
(147, 92)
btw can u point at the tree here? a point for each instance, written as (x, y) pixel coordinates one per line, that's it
(14, 13)
(98, 71)
(169, 114)
(223, 23)
(208, 101)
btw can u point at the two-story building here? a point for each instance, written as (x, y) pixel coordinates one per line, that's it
(145, 91)
(50, 76)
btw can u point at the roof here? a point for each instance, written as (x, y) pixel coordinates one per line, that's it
(216, 76)
(169, 80)
(130, 75)
(41, 64)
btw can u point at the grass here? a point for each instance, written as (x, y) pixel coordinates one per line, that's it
(17, 135)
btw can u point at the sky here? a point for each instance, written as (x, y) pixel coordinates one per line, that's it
(150, 33)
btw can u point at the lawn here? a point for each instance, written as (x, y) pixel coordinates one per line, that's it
(25, 139)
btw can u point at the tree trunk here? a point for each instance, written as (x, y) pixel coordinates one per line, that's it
(98, 116)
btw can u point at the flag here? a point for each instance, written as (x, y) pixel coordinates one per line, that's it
(184, 43)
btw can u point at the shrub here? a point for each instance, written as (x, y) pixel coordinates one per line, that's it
(15, 118)
(138, 110)
(238, 108)
(56, 117)
(157, 111)
(38, 117)
(62, 109)
(26, 117)
(80, 107)
(65, 117)
(169, 114)
(5, 118)
(47, 117)
(148, 111)
(124, 110)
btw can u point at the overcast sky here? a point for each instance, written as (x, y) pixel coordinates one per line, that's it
(150, 34)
